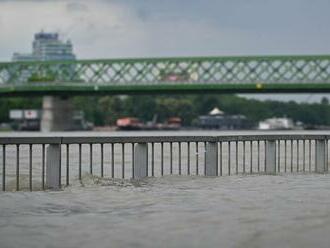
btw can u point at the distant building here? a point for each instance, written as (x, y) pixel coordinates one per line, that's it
(45, 47)
(30, 120)
(217, 119)
(276, 124)
(25, 119)
(23, 57)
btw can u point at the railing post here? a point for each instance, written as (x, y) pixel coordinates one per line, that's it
(320, 156)
(270, 154)
(140, 160)
(211, 154)
(53, 167)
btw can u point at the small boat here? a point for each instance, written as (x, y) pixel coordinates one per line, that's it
(129, 123)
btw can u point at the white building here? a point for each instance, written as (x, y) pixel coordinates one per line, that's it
(23, 57)
(47, 46)
(276, 124)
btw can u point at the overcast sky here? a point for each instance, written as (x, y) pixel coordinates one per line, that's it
(145, 28)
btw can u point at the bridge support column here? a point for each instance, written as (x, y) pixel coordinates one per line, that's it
(140, 160)
(211, 159)
(53, 167)
(57, 114)
(270, 156)
(320, 156)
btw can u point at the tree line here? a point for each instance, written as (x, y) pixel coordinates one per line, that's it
(105, 110)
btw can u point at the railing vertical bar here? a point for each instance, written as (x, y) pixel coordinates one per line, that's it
(67, 164)
(275, 157)
(60, 167)
(285, 155)
(298, 155)
(315, 155)
(327, 156)
(133, 160)
(30, 167)
(279, 156)
(217, 162)
(204, 158)
(243, 157)
(152, 159)
(265, 155)
(122, 160)
(112, 160)
(171, 158)
(17, 167)
(236, 157)
(147, 167)
(251, 157)
(291, 155)
(188, 158)
(79, 162)
(91, 158)
(229, 156)
(102, 160)
(197, 172)
(304, 155)
(310, 155)
(43, 167)
(258, 156)
(220, 158)
(179, 144)
(3, 167)
(162, 158)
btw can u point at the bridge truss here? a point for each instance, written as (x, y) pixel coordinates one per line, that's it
(248, 74)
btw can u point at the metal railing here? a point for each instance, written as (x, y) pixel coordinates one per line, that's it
(33, 163)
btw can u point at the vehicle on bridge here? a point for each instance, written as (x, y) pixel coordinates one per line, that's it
(177, 76)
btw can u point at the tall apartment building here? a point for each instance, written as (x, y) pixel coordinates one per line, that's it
(47, 46)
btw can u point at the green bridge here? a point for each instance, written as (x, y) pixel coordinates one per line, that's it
(249, 74)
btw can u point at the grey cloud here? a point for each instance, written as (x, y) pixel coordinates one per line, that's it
(76, 7)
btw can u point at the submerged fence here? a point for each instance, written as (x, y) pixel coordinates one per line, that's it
(38, 163)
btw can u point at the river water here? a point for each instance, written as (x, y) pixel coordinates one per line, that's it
(288, 210)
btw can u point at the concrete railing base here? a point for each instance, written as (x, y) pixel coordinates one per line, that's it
(211, 153)
(53, 167)
(140, 160)
(270, 154)
(320, 156)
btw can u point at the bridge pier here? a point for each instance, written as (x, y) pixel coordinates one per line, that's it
(57, 114)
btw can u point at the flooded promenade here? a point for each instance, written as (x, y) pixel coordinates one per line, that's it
(286, 210)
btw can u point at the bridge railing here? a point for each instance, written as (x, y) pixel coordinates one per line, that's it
(38, 163)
